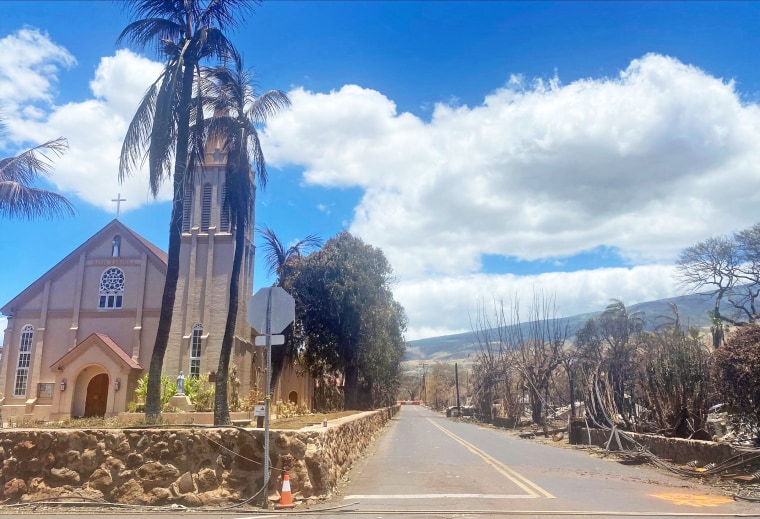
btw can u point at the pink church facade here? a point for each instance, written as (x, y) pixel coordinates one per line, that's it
(80, 337)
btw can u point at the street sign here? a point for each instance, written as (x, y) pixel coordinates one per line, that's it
(275, 340)
(270, 311)
(259, 410)
(283, 310)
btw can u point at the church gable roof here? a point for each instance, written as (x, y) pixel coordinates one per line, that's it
(102, 342)
(114, 227)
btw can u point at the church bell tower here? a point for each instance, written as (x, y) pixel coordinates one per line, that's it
(206, 255)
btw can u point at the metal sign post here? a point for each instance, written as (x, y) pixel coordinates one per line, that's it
(268, 398)
(270, 310)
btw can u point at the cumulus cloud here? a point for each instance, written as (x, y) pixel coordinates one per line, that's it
(29, 63)
(94, 127)
(638, 163)
(643, 163)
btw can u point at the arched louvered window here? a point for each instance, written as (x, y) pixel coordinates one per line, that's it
(206, 208)
(196, 348)
(187, 209)
(224, 217)
(24, 360)
(111, 295)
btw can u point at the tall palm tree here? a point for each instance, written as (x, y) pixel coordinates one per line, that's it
(238, 111)
(185, 32)
(280, 260)
(18, 197)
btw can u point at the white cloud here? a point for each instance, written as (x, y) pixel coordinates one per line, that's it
(638, 163)
(94, 127)
(445, 305)
(29, 63)
(644, 163)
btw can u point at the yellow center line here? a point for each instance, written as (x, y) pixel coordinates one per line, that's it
(509, 473)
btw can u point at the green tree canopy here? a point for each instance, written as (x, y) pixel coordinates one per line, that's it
(349, 319)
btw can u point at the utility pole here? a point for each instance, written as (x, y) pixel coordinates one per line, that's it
(456, 381)
(424, 385)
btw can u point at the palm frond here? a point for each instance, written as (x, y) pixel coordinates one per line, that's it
(267, 105)
(138, 133)
(163, 136)
(256, 156)
(312, 241)
(210, 42)
(154, 31)
(26, 167)
(274, 251)
(19, 200)
(226, 13)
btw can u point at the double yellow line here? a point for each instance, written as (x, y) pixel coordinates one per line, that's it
(524, 483)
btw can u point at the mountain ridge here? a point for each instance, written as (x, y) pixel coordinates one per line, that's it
(692, 309)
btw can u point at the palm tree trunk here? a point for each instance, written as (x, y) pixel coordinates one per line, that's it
(153, 395)
(221, 404)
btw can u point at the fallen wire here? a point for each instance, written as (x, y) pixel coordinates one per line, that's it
(738, 461)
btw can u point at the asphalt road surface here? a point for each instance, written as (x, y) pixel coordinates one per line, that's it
(426, 465)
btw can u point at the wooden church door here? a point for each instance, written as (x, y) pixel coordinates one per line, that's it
(97, 396)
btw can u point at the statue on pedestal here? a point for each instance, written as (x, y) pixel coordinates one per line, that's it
(181, 383)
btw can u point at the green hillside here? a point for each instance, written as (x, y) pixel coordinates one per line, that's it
(692, 309)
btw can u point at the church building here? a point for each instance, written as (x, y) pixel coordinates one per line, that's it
(81, 336)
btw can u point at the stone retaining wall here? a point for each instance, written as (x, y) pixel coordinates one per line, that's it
(676, 450)
(192, 466)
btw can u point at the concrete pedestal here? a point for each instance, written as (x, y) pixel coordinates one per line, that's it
(182, 402)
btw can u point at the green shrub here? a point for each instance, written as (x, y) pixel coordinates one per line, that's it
(168, 390)
(200, 392)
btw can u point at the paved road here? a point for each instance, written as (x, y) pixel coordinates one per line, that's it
(426, 462)
(425, 465)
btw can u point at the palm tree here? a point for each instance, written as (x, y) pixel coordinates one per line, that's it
(185, 32)
(280, 260)
(18, 197)
(278, 257)
(238, 111)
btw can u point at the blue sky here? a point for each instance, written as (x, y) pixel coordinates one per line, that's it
(491, 149)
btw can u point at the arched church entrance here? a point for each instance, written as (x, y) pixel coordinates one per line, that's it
(293, 397)
(97, 396)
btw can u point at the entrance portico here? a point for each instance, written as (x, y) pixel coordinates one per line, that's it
(95, 378)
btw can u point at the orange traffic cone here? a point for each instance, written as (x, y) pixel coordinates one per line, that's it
(286, 498)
